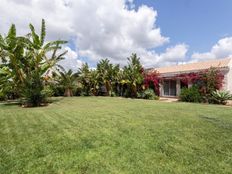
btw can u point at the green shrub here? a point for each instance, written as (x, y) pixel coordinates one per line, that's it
(113, 94)
(47, 93)
(2, 95)
(78, 91)
(191, 95)
(221, 97)
(57, 89)
(84, 93)
(32, 91)
(148, 94)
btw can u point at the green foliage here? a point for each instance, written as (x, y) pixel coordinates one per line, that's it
(6, 84)
(32, 91)
(26, 61)
(221, 97)
(191, 94)
(109, 80)
(2, 95)
(214, 79)
(85, 78)
(57, 89)
(148, 94)
(47, 91)
(133, 75)
(107, 76)
(210, 80)
(100, 81)
(207, 82)
(43, 32)
(113, 94)
(67, 80)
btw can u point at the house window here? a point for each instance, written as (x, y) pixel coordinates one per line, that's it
(169, 87)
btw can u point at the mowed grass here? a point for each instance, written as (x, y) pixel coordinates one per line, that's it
(114, 135)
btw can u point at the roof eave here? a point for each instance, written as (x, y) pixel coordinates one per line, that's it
(191, 71)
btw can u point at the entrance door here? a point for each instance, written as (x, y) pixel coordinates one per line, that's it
(169, 87)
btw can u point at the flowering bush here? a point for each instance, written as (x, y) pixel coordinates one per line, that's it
(211, 79)
(152, 80)
(207, 81)
(189, 78)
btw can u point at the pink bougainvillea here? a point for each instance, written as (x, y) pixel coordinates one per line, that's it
(152, 80)
(207, 80)
(210, 79)
(189, 77)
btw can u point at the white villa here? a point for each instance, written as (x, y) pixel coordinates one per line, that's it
(171, 87)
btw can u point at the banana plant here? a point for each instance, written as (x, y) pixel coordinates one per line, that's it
(133, 75)
(107, 75)
(29, 58)
(85, 78)
(94, 82)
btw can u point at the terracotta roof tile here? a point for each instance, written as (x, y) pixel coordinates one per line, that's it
(220, 63)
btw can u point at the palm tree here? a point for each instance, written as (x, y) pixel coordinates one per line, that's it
(68, 81)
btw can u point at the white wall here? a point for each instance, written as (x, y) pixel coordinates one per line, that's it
(229, 78)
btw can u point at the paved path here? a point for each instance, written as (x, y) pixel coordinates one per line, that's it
(166, 99)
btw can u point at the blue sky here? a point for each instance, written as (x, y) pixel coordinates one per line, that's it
(161, 32)
(198, 23)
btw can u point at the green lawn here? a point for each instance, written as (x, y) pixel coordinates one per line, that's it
(114, 135)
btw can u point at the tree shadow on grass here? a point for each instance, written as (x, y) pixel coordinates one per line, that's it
(10, 103)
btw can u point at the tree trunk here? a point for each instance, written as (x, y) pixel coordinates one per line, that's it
(68, 92)
(108, 88)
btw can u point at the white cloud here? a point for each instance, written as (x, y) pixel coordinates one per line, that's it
(71, 60)
(101, 29)
(172, 55)
(222, 49)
